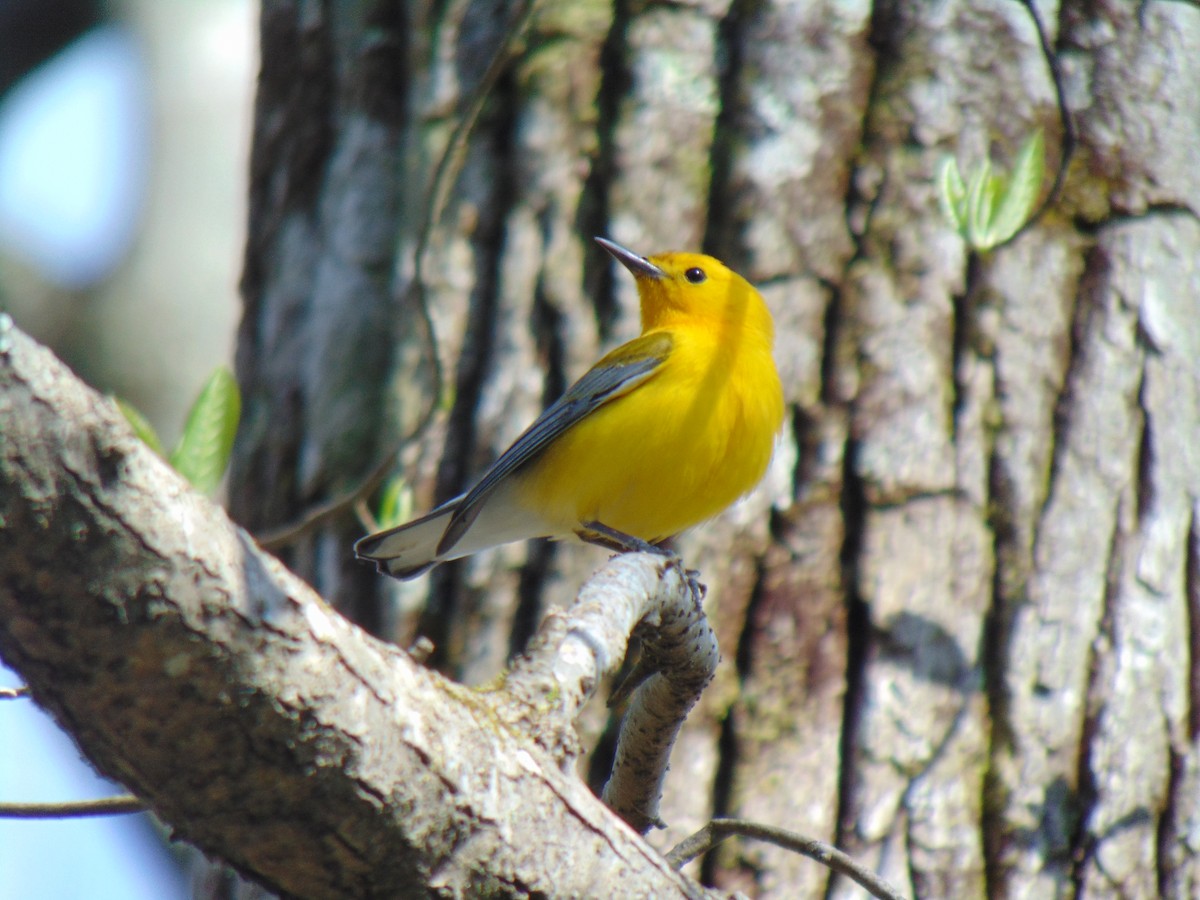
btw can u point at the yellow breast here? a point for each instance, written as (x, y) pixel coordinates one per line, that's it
(674, 451)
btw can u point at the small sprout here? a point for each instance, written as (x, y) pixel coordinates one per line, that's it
(1024, 185)
(988, 209)
(396, 504)
(951, 192)
(203, 452)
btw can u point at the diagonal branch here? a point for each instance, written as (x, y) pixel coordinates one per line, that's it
(254, 719)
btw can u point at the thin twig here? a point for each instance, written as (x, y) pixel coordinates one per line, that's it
(826, 854)
(75, 809)
(365, 517)
(123, 803)
(448, 168)
(318, 515)
(1069, 138)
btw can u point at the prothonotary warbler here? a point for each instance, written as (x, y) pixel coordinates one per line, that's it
(662, 433)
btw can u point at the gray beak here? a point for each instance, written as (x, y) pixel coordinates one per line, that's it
(638, 265)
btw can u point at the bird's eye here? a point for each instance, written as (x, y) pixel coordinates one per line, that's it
(695, 275)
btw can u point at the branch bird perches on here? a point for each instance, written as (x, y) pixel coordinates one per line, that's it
(255, 720)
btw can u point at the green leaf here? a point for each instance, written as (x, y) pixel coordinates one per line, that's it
(989, 209)
(141, 426)
(952, 193)
(203, 451)
(1024, 185)
(396, 504)
(981, 193)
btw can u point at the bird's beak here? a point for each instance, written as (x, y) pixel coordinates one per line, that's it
(638, 265)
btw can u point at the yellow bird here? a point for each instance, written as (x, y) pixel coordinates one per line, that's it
(661, 434)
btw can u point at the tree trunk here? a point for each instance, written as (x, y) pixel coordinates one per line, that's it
(961, 619)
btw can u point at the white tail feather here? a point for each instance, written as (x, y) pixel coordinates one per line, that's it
(409, 550)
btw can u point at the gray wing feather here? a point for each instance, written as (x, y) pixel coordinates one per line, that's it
(598, 386)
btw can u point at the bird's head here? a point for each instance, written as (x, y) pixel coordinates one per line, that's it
(693, 289)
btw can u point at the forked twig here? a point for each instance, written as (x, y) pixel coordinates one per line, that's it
(826, 854)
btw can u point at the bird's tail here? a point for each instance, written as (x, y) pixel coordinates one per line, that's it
(414, 548)
(408, 550)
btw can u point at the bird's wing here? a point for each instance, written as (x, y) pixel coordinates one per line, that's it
(617, 373)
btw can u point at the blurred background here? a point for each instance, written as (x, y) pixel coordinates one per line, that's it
(124, 132)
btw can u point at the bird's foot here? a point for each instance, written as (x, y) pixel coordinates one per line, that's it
(618, 541)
